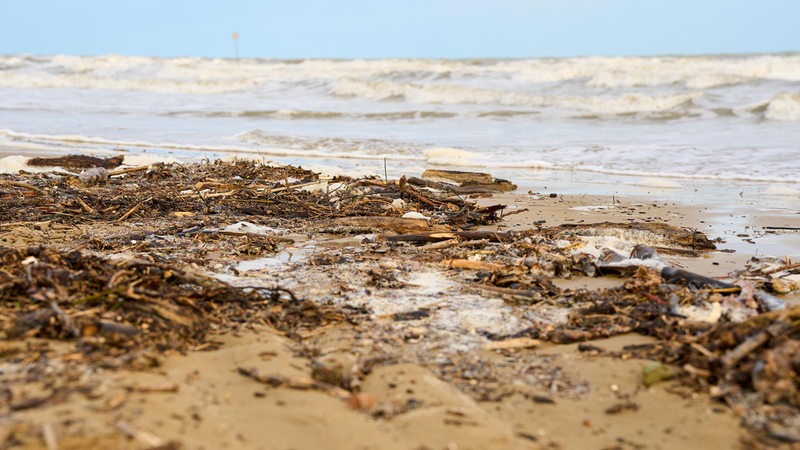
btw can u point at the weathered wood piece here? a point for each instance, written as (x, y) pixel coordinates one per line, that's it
(492, 236)
(77, 162)
(469, 182)
(466, 189)
(383, 223)
(655, 231)
(459, 176)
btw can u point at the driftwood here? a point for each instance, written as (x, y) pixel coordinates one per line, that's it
(381, 223)
(681, 276)
(470, 182)
(472, 265)
(483, 188)
(512, 344)
(78, 162)
(676, 236)
(459, 176)
(491, 236)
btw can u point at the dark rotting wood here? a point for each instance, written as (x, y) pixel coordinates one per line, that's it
(78, 162)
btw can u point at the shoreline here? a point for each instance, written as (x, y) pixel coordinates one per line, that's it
(743, 213)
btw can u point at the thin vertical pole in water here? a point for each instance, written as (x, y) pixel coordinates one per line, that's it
(385, 172)
(235, 37)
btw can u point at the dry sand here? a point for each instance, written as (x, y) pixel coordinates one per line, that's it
(566, 399)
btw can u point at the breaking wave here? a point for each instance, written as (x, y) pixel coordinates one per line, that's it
(459, 94)
(216, 75)
(783, 106)
(294, 114)
(262, 143)
(662, 88)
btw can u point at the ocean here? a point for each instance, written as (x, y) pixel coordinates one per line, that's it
(669, 125)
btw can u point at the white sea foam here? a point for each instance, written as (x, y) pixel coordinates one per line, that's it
(316, 149)
(220, 75)
(721, 175)
(784, 106)
(301, 114)
(281, 145)
(694, 72)
(782, 190)
(658, 183)
(450, 157)
(459, 94)
(15, 163)
(536, 164)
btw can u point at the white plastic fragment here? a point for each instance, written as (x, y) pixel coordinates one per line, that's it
(399, 204)
(415, 215)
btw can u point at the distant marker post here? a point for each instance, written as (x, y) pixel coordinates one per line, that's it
(235, 37)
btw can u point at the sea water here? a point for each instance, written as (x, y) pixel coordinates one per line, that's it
(683, 126)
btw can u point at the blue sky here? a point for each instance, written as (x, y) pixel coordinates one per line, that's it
(399, 28)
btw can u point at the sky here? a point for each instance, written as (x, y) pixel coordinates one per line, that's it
(399, 28)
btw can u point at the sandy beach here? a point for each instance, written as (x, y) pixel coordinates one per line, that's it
(343, 331)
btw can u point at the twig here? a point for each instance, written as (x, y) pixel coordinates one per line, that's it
(752, 343)
(26, 222)
(49, 435)
(704, 351)
(35, 402)
(528, 294)
(133, 210)
(275, 238)
(85, 206)
(294, 186)
(266, 190)
(218, 194)
(99, 295)
(300, 383)
(472, 265)
(22, 185)
(64, 319)
(513, 212)
(145, 437)
(512, 344)
(144, 389)
(118, 172)
(697, 372)
(441, 245)
(781, 269)
(783, 228)
(414, 193)
(492, 236)
(733, 290)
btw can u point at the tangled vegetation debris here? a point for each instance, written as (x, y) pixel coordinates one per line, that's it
(133, 263)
